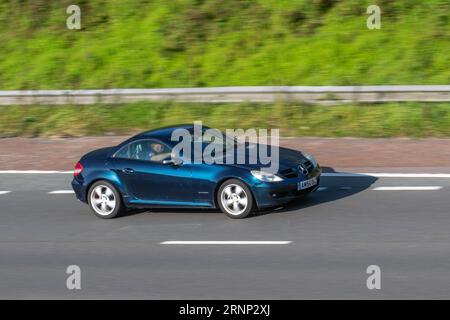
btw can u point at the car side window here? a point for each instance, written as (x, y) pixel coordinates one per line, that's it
(148, 150)
(123, 153)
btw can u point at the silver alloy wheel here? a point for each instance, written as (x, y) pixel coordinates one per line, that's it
(234, 199)
(103, 200)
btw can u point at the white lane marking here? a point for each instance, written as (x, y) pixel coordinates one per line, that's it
(226, 242)
(33, 172)
(387, 175)
(62, 192)
(410, 175)
(326, 174)
(4, 192)
(429, 188)
(342, 174)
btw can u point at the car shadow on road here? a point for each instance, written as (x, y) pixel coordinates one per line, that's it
(132, 212)
(333, 187)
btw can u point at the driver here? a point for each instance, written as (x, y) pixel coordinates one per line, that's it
(157, 147)
(157, 153)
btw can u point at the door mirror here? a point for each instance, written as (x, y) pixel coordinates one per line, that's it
(172, 162)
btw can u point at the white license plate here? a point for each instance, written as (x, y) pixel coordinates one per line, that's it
(307, 184)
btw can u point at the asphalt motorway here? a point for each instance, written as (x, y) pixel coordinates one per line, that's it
(328, 241)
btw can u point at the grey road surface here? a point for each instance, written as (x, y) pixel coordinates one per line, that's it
(335, 235)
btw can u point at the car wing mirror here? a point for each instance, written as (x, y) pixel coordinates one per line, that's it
(172, 162)
(168, 162)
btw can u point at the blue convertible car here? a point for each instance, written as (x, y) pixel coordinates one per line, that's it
(141, 173)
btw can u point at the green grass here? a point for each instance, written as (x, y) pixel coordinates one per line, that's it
(187, 43)
(382, 120)
(191, 43)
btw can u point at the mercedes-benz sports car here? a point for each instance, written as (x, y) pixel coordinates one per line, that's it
(141, 173)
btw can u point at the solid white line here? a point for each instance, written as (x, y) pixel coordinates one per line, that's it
(387, 175)
(326, 174)
(33, 172)
(226, 242)
(4, 192)
(339, 174)
(62, 192)
(409, 175)
(431, 188)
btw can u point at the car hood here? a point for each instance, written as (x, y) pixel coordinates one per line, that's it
(287, 158)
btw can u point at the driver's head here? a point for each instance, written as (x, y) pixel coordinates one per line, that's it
(157, 147)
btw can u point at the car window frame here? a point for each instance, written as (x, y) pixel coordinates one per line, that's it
(137, 140)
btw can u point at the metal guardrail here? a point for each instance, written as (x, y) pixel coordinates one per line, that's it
(307, 94)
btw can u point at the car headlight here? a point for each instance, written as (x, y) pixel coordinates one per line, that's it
(310, 158)
(265, 176)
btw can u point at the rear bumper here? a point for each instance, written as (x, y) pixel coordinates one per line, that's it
(278, 193)
(79, 189)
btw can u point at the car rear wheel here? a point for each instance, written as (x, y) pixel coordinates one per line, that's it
(105, 200)
(235, 199)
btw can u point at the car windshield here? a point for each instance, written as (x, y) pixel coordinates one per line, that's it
(216, 137)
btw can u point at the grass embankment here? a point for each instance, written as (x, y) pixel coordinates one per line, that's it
(191, 43)
(382, 120)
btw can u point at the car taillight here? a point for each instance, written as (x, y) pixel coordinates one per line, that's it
(77, 170)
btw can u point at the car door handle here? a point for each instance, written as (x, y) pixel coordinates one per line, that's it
(127, 170)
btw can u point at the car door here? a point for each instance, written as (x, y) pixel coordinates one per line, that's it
(148, 179)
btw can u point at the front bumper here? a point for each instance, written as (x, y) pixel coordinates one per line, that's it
(278, 193)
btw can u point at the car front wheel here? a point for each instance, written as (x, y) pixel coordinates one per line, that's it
(235, 199)
(105, 200)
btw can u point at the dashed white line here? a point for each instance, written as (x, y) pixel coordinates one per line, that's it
(62, 192)
(225, 242)
(4, 192)
(428, 188)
